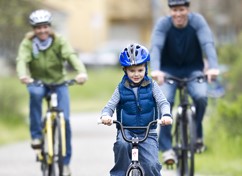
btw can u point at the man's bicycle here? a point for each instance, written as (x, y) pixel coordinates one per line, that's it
(184, 133)
(135, 168)
(53, 148)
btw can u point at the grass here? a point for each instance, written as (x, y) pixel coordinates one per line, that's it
(222, 158)
(10, 133)
(92, 96)
(95, 93)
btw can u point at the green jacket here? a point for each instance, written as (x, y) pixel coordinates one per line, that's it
(48, 66)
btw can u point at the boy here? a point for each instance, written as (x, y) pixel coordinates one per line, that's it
(137, 101)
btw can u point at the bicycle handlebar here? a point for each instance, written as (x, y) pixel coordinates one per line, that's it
(122, 128)
(67, 83)
(171, 79)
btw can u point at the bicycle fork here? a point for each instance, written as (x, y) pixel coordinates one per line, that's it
(49, 130)
(49, 136)
(63, 133)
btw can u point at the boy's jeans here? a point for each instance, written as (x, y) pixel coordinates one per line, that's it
(148, 155)
(198, 92)
(37, 94)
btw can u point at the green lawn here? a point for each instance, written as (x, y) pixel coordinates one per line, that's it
(222, 158)
(91, 96)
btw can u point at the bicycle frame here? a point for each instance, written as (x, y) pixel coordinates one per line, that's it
(135, 164)
(185, 126)
(53, 124)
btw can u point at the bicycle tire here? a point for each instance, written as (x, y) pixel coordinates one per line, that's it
(187, 139)
(46, 169)
(135, 170)
(57, 165)
(178, 143)
(191, 137)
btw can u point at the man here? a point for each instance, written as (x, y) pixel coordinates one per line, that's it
(177, 47)
(41, 56)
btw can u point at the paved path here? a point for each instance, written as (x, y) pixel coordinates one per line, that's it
(92, 151)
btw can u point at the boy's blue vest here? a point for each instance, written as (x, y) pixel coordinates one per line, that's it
(136, 111)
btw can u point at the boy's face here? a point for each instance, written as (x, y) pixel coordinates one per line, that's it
(42, 31)
(179, 16)
(136, 73)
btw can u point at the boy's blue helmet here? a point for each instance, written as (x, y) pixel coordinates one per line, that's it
(134, 54)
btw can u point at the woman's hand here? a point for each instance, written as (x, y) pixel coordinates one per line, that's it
(81, 78)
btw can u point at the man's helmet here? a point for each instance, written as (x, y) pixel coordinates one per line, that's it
(172, 3)
(134, 54)
(39, 17)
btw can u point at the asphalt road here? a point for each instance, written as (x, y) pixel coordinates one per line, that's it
(92, 151)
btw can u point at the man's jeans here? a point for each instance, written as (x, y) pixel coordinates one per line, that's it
(148, 155)
(37, 94)
(198, 92)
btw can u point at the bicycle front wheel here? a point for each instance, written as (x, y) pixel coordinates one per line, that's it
(188, 142)
(191, 138)
(135, 170)
(57, 165)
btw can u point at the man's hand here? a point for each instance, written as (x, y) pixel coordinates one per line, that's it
(81, 78)
(166, 120)
(107, 120)
(212, 74)
(158, 76)
(26, 79)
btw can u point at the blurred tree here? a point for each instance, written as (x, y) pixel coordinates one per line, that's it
(14, 24)
(231, 55)
(223, 16)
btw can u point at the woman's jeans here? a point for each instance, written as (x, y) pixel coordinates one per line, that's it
(198, 92)
(37, 93)
(148, 154)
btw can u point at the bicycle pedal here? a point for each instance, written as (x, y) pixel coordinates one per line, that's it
(39, 156)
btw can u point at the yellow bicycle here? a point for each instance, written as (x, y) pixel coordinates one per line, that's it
(53, 149)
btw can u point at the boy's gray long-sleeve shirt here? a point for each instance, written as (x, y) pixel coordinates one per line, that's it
(162, 104)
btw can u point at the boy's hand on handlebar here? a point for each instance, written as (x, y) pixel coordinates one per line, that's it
(26, 79)
(81, 78)
(107, 120)
(165, 120)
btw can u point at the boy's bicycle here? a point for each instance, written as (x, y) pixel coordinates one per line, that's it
(53, 148)
(184, 133)
(135, 168)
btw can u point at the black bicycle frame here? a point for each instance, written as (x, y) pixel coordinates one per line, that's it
(135, 142)
(183, 122)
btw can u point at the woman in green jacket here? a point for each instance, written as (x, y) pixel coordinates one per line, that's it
(41, 56)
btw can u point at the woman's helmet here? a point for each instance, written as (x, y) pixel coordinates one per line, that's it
(172, 3)
(39, 17)
(134, 54)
